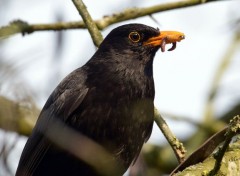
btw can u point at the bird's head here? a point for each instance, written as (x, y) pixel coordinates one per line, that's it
(130, 49)
(139, 40)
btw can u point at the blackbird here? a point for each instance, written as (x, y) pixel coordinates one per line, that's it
(108, 101)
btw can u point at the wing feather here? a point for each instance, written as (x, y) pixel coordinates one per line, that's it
(64, 100)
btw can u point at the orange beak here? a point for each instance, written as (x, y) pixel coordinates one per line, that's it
(166, 37)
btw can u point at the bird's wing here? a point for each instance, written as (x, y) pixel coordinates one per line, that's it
(64, 100)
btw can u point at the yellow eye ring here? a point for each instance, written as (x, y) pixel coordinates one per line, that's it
(134, 37)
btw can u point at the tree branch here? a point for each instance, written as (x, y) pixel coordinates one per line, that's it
(19, 117)
(130, 13)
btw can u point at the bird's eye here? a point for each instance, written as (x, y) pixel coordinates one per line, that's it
(134, 37)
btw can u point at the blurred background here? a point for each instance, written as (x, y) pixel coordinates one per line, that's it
(197, 85)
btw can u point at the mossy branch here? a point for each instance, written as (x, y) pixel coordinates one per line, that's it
(213, 164)
(233, 129)
(230, 164)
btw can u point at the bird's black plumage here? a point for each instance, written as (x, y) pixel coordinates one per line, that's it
(109, 100)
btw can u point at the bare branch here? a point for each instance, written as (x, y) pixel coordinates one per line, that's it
(220, 72)
(92, 28)
(130, 13)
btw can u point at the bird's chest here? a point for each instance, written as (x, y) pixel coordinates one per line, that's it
(120, 119)
(118, 114)
(116, 108)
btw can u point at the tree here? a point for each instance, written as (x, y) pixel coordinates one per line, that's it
(20, 115)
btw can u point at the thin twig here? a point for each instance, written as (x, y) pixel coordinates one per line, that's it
(218, 124)
(176, 145)
(220, 72)
(208, 117)
(92, 28)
